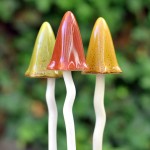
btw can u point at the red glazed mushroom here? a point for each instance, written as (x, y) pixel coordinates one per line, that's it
(68, 55)
(68, 52)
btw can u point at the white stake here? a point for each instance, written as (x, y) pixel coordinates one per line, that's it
(99, 112)
(52, 119)
(67, 110)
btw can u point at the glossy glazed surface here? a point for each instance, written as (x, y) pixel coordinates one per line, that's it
(42, 53)
(101, 57)
(68, 51)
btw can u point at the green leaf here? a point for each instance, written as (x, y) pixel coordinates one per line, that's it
(7, 9)
(43, 5)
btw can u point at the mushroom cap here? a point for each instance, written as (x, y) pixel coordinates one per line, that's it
(42, 53)
(101, 57)
(68, 50)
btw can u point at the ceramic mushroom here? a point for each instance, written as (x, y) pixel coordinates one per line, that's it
(100, 60)
(41, 55)
(68, 56)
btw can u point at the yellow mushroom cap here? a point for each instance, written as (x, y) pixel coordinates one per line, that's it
(101, 57)
(42, 53)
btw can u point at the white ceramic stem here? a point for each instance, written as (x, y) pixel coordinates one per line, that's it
(67, 110)
(99, 112)
(52, 119)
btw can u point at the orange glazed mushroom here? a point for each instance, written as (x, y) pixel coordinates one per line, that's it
(100, 60)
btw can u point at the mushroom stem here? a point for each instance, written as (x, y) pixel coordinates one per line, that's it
(99, 112)
(52, 119)
(67, 110)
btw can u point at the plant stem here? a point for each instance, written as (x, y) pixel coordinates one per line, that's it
(52, 119)
(67, 110)
(99, 112)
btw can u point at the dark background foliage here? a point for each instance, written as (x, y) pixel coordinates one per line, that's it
(23, 110)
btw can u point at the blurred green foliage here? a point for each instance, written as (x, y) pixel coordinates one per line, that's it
(23, 110)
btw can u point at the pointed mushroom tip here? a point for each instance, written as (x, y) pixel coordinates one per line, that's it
(47, 29)
(46, 25)
(69, 12)
(101, 20)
